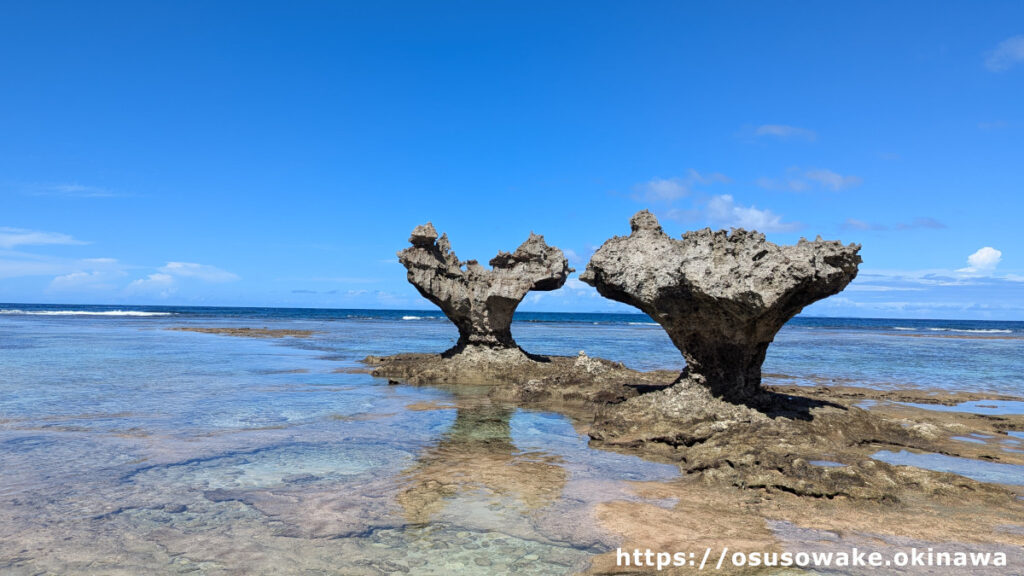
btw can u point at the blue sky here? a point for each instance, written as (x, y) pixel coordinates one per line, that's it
(278, 154)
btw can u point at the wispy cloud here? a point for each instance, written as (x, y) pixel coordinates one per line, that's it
(784, 132)
(12, 237)
(17, 265)
(798, 180)
(831, 180)
(915, 224)
(929, 294)
(665, 190)
(980, 271)
(881, 288)
(72, 190)
(171, 276)
(1006, 55)
(202, 272)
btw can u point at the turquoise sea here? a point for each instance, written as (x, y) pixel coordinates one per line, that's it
(128, 448)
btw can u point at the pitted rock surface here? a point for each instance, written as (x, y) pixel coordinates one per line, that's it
(480, 302)
(721, 296)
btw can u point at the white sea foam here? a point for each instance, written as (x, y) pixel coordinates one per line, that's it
(642, 323)
(412, 318)
(15, 312)
(989, 331)
(903, 328)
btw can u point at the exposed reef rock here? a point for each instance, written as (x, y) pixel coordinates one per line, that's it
(480, 302)
(578, 379)
(721, 296)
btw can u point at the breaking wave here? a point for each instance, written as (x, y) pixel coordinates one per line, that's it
(965, 331)
(16, 312)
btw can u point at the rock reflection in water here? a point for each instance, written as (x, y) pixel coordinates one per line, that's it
(478, 454)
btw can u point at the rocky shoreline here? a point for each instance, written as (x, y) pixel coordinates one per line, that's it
(722, 297)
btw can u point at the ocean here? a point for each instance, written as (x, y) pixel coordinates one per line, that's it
(129, 448)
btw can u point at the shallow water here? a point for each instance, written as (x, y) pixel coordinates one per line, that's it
(177, 451)
(977, 469)
(126, 448)
(986, 407)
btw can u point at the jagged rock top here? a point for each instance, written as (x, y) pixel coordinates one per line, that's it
(721, 296)
(737, 265)
(481, 301)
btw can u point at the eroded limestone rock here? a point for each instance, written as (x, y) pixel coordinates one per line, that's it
(721, 296)
(480, 302)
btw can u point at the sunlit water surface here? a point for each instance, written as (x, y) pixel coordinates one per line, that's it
(127, 448)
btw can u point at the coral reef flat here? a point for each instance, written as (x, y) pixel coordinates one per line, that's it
(127, 448)
(798, 456)
(774, 458)
(246, 332)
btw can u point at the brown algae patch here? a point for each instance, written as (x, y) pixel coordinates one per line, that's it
(429, 405)
(352, 370)
(362, 416)
(246, 332)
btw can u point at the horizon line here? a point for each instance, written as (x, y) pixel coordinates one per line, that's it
(439, 311)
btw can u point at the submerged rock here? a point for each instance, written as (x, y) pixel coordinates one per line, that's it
(480, 302)
(721, 296)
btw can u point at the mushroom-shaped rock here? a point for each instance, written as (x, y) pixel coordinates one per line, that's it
(721, 296)
(480, 302)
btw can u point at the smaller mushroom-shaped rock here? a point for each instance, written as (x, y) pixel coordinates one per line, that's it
(721, 296)
(480, 302)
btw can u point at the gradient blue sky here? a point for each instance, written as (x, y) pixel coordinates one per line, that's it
(278, 154)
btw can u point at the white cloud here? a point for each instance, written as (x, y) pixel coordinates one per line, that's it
(814, 178)
(155, 284)
(202, 272)
(983, 262)
(168, 278)
(784, 132)
(670, 189)
(94, 280)
(90, 274)
(12, 237)
(724, 211)
(1007, 54)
